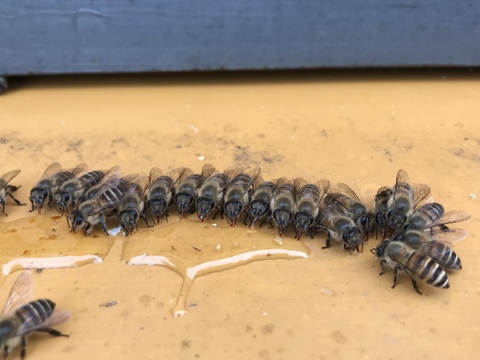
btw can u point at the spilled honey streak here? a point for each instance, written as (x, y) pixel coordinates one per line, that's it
(193, 249)
(42, 242)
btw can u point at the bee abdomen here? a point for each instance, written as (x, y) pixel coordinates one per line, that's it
(445, 256)
(429, 271)
(36, 311)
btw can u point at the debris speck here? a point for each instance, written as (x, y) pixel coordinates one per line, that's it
(115, 231)
(473, 196)
(219, 247)
(201, 158)
(278, 240)
(326, 291)
(197, 249)
(214, 225)
(109, 304)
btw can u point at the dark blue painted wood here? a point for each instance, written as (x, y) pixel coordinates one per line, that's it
(87, 36)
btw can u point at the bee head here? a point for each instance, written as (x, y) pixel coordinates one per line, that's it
(259, 208)
(184, 202)
(396, 219)
(233, 209)
(380, 249)
(303, 221)
(352, 238)
(7, 331)
(282, 218)
(128, 221)
(38, 197)
(157, 206)
(204, 206)
(78, 221)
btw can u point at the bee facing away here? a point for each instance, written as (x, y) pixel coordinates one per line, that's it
(72, 191)
(380, 208)
(405, 200)
(50, 183)
(132, 206)
(21, 318)
(418, 266)
(210, 195)
(435, 244)
(237, 194)
(260, 203)
(160, 191)
(283, 204)
(433, 215)
(104, 203)
(8, 190)
(186, 192)
(307, 199)
(346, 201)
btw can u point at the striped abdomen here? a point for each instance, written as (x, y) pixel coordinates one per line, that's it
(442, 254)
(35, 312)
(427, 269)
(91, 178)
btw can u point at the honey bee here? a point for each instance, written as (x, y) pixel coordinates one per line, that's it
(435, 244)
(105, 202)
(307, 199)
(417, 265)
(186, 192)
(21, 318)
(132, 206)
(160, 191)
(404, 201)
(384, 194)
(73, 190)
(283, 204)
(237, 194)
(260, 203)
(210, 195)
(433, 215)
(8, 190)
(340, 228)
(348, 203)
(50, 183)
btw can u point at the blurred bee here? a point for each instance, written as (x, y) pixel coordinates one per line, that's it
(283, 204)
(307, 199)
(8, 190)
(72, 191)
(435, 244)
(160, 191)
(21, 318)
(433, 215)
(404, 201)
(339, 227)
(345, 200)
(132, 206)
(50, 183)
(417, 265)
(210, 194)
(384, 194)
(260, 203)
(105, 202)
(186, 192)
(237, 194)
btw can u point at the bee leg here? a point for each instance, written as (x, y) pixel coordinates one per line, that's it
(395, 275)
(146, 220)
(104, 225)
(327, 243)
(3, 209)
(23, 351)
(382, 265)
(53, 332)
(14, 199)
(6, 351)
(415, 286)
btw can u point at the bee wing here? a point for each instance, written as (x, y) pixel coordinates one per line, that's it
(298, 184)
(323, 185)
(207, 171)
(421, 194)
(325, 219)
(231, 173)
(448, 236)
(140, 185)
(279, 189)
(254, 173)
(450, 217)
(79, 169)
(29, 324)
(347, 190)
(5, 179)
(115, 170)
(402, 177)
(179, 174)
(21, 292)
(51, 169)
(155, 173)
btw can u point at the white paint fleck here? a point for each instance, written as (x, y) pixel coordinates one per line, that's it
(473, 196)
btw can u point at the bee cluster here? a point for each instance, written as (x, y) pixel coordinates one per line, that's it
(416, 238)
